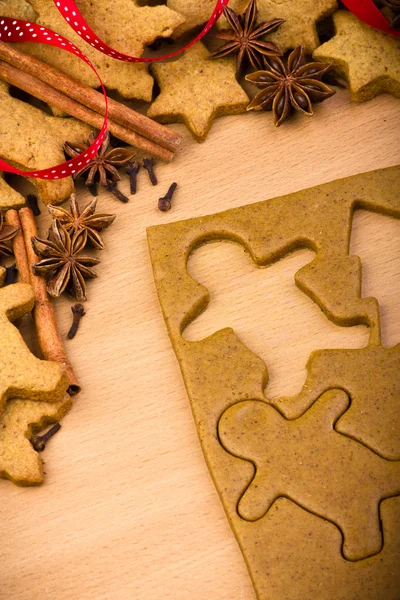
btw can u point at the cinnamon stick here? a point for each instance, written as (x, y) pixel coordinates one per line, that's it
(12, 218)
(84, 94)
(44, 92)
(43, 313)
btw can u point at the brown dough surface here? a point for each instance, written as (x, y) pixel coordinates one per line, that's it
(308, 461)
(295, 537)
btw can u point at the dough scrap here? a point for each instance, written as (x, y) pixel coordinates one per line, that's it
(292, 552)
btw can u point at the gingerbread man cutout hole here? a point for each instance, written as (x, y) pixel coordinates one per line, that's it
(267, 311)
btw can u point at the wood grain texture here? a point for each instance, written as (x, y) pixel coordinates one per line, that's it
(128, 509)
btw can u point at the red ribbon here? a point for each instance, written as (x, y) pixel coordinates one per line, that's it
(15, 30)
(71, 14)
(22, 31)
(368, 12)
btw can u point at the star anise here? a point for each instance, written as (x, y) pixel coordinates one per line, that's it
(243, 39)
(87, 220)
(294, 85)
(63, 262)
(394, 6)
(105, 164)
(7, 232)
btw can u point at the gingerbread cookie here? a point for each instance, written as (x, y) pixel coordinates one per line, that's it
(17, 9)
(367, 58)
(18, 422)
(324, 534)
(9, 198)
(36, 145)
(300, 18)
(195, 90)
(22, 375)
(348, 480)
(122, 24)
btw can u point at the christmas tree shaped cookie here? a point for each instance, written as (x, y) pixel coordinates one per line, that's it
(22, 375)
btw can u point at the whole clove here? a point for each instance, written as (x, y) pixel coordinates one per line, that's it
(132, 171)
(78, 312)
(39, 441)
(148, 164)
(111, 186)
(164, 203)
(32, 202)
(11, 274)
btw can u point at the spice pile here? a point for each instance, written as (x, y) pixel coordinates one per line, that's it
(200, 85)
(60, 263)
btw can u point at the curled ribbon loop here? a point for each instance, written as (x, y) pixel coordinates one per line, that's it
(14, 30)
(71, 14)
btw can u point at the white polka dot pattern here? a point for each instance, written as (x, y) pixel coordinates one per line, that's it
(22, 31)
(71, 14)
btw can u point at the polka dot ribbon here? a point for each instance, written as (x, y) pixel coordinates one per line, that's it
(22, 31)
(71, 14)
(15, 30)
(368, 12)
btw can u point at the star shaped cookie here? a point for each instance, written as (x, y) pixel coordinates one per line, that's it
(195, 13)
(195, 90)
(300, 18)
(120, 23)
(367, 58)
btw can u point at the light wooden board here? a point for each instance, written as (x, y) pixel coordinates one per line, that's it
(128, 509)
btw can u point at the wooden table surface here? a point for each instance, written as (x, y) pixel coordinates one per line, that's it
(128, 509)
